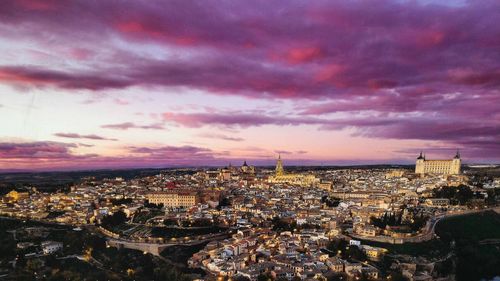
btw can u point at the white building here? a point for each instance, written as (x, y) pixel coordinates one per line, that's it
(50, 247)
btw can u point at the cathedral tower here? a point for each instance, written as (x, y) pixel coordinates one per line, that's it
(279, 167)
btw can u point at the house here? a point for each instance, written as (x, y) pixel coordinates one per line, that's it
(50, 247)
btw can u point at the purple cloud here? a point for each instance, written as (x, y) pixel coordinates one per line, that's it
(78, 136)
(283, 152)
(220, 137)
(236, 119)
(299, 50)
(470, 134)
(398, 69)
(45, 155)
(24, 76)
(130, 125)
(38, 150)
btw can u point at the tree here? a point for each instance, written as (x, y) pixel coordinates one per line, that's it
(331, 202)
(397, 276)
(115, 219)
(491, 199)
(337, 245)
(152, 205)
(458, 195)
(355, 253)
(265, 277)
(170, 222)
(34, 265)
(283, 224)
(338, 277)
(224, 202)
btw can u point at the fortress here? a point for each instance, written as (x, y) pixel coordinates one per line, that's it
(445, 167)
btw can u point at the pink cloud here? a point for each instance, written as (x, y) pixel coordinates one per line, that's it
(130, 125)
(45, 155)
(398, 69)
(78, 136)
(236, 119)
(38, 150)
(220, 137)
(121, 101)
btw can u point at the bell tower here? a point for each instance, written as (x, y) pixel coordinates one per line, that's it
(279, 167)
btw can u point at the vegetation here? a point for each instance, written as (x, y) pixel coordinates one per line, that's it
(331, 202)
(153, 205)
(457, 195)
(54, 181)
(345, 251)
(180, 254)
(415, 224)
(101, 263)
(174, 232)
(116, 219)
(493, 195)
(145, 214)
(224, 202)
(472, 228)
(289, 224)
(55, 214)
(475, 239)
(122, 201)
(431, 249)
(471, 243)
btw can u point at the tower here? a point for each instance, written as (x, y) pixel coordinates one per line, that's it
(456, 163)
(420, 164)
(244, 167)
(279, 167)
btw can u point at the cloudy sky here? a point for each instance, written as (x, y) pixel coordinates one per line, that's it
(108, 84)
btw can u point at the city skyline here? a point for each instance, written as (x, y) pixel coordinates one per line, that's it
(109, 84)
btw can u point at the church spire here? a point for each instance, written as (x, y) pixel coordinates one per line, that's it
(457, 156)
(279, 166)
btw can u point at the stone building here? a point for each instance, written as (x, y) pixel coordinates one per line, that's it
(445, 167)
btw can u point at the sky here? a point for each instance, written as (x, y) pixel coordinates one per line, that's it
(125, 84)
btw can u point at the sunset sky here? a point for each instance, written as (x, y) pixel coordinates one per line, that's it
(112, 84)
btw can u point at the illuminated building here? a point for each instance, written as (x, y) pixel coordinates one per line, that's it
(246, 169)
(281, 177)
(279, 167)
(445, 167)
(173, 199)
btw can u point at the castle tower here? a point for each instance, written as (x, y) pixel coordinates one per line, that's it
(420, 164)
(456, 163)
(279, 167)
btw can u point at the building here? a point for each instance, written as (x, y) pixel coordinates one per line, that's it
(280, 171)
(173, 198)
(394, 174)
(14, 196)
(281, 177)
(373, 253)
(445, 167)
(437, 202)
(50, 247)
(365, 230)
(246, 169)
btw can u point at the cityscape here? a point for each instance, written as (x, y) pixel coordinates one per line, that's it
(297, 140)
